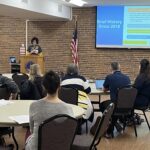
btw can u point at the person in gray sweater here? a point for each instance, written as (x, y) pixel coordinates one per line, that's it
(46, 108)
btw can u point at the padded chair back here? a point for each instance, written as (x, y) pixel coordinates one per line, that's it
(4, 93)
(126, 98)
(19, 78)
(57, 133)
(5, 148)
(68, 95)
(103, 124)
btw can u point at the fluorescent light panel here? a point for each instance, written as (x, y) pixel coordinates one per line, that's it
(76, 2)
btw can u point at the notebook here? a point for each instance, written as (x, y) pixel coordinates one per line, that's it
(21, 119)
(99, 84)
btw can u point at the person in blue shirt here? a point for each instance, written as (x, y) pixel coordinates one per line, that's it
(142, 84)
(112, 83)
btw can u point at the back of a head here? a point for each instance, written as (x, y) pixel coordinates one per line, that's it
(51, 82)
(34, 71)
(144, 66)
(115, 66)
(72, 69)
(35, 39)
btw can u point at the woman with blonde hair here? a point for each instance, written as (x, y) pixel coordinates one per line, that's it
(32, 88)
(35, 71)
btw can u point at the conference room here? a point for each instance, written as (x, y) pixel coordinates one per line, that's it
(74, 75)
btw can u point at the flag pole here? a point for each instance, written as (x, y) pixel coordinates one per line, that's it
(74, 43)
(75, 27)
(75, 21)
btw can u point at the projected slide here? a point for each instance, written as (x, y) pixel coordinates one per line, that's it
(123, 26)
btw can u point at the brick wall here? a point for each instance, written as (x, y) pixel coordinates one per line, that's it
(55, 41)
(12, 33)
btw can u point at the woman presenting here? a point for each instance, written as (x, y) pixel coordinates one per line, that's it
(34, 48)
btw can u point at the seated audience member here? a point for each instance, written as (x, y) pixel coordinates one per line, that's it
(45, 108)
(142, 83)
(74, 80)
(12, 90)
(32, 88)
(36, 77)
(34, 48)
(10, 85)
(112, 83)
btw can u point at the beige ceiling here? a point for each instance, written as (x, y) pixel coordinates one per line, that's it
(26, 14)
(111, 2)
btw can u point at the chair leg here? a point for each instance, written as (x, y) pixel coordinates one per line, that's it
(86, 123)
(124, 124)
(146, 120)
(95, 148)
(134, 125)
(2, 141)
(13, 136)
(95, 145)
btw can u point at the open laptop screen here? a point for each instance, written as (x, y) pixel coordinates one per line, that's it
(12, 59)
(99, 84)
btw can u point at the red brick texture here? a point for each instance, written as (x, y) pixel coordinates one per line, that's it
(55, 40)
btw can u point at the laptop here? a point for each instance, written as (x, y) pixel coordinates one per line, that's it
(12, 59)
(99, 83)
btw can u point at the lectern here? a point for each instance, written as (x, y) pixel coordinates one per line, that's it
(31, 59)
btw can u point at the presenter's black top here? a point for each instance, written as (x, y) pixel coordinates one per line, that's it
(115, 81)
(143, 86)
(34, 49)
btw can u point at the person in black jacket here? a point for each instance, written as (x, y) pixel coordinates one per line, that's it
(142, 83)
(32, 88)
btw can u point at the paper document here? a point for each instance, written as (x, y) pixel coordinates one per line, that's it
(5, 102)
(20, 118)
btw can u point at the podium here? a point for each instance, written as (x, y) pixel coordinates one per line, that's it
(26, 60)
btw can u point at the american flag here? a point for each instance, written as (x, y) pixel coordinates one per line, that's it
(74, 46)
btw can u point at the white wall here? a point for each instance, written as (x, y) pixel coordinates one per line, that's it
(44, 7)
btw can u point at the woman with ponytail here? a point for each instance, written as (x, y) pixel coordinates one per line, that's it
(142, 83)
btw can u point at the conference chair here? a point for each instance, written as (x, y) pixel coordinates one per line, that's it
(144, 110)
(68, 95)
(8, 131)
(4, 93)
(7, 147)
(124, 107)
(57, 133)
(89, 142)
(19, 78)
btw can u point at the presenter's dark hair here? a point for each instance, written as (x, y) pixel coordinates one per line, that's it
(115, 66)
(35, 39)
(51, 82)
(144, 67)
(72, 69)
